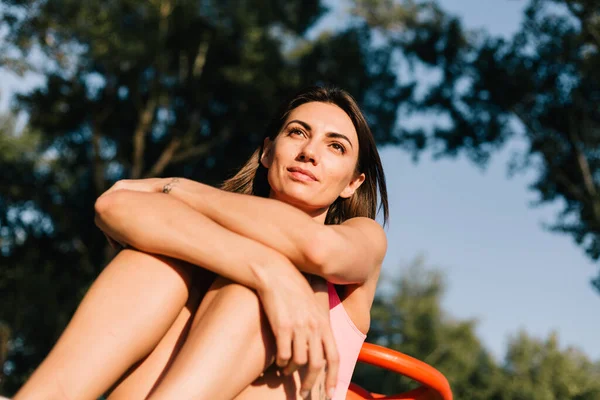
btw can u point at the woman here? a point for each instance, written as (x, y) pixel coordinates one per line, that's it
(149, 328)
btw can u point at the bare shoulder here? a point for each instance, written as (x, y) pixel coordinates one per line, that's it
(357, 299)
(371, 232)
(366, 225)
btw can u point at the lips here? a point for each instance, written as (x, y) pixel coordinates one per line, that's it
(303, 171)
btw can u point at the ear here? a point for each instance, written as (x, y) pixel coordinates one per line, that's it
(265, 158)
(353, 186)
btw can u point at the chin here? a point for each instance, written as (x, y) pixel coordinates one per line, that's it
(299, 197)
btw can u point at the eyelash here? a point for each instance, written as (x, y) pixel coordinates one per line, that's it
(340, 148)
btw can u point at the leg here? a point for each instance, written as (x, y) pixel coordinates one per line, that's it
(125, 313)
(229, 346)
(142, 377)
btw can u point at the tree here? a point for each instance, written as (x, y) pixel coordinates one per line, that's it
(412, 321)
(162, 88)
(539, 370)
(543, 82)
(137, 89)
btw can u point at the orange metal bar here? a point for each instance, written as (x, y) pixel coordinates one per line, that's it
(435, 385)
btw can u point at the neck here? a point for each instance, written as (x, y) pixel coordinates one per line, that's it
(317, 214)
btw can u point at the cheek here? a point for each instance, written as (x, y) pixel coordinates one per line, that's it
(283, 153)
(338, 179)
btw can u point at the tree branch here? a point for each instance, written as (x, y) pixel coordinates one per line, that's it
(584, 168)
(97, 163)
(165, 158)
(585, 23)
(139, 136)
(203, 148)
(169, 155)
(196, 151)
(582, 162)
(165, 7)
(200, 59)
(573, 189)
(5, 334)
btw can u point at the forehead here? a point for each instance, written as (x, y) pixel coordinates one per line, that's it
(326, 117)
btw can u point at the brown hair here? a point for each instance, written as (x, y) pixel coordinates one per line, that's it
(252, 177)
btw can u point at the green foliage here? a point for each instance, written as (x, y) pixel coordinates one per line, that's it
(544, 81)
(412, 321)
(138, 89)
(184, 88)
(539, 370)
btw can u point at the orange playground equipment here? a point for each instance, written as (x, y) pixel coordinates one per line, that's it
(434, 385)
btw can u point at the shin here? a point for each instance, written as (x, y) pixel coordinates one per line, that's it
(125, 313)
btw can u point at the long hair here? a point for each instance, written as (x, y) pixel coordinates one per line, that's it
(252, 177)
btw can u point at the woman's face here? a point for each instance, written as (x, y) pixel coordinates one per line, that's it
(312, 161)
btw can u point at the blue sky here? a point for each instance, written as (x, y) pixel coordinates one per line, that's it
(501, 266)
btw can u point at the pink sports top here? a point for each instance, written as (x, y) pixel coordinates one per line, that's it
(349, 341)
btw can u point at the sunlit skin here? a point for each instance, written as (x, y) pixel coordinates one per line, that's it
(317, 138)
(320, 138)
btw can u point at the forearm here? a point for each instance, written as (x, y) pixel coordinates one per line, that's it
(161, 224)
(273, 223)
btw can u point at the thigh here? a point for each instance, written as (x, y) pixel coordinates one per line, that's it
(272, 385)
(139, 381)
(229, 333)
(120, 320)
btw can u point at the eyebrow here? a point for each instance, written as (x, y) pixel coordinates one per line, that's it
(328, 134)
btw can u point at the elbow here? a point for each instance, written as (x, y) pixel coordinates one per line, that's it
(324, 255)
(101, 207)
(319, 256)
(108, 207)
(102, 204)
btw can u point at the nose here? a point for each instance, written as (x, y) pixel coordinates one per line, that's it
(307, 154)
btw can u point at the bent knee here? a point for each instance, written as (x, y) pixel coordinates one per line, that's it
(161, 267)
(222, 284)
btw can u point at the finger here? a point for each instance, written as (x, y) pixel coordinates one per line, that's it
(290, 368)
(300, 356)
(284, 347)
(332, 360)
(300, 346)
(315, 364)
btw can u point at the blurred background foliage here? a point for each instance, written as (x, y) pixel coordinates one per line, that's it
(410, 319)
(138, 89)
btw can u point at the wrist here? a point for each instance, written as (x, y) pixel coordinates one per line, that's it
(274, 272)
(166, 185)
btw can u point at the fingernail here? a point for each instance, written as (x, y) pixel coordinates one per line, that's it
(330, 393)
(304, 394)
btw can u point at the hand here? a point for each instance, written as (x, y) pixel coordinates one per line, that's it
(301, 328)
(151, 185)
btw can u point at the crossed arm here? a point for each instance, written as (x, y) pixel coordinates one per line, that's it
(260, 243)
(161, 224)
(342, 254)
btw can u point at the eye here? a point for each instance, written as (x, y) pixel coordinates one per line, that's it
(296, 131)
(338, 147)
